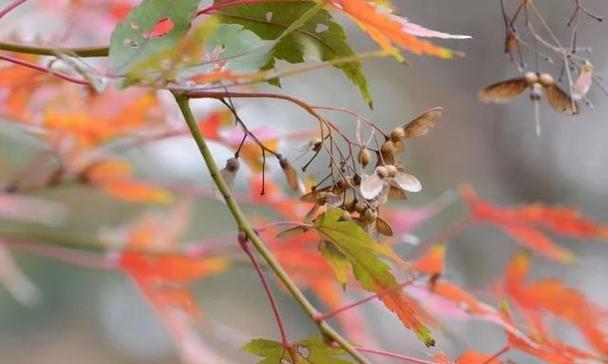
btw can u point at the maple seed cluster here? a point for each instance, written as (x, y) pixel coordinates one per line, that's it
(389, 180)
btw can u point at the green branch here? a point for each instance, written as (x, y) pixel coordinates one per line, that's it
(246, 228)
(46, 51)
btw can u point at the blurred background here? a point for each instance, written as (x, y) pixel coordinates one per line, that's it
(87, 316)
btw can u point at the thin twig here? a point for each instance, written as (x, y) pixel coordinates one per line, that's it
(273, 304)
(10, 7)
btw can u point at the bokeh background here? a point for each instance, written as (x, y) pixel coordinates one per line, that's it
(98, 317)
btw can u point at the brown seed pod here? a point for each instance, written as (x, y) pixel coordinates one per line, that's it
(505, 91)
(388, 152)
(316, 144)
(531, 77)
(232, 165)
(290, 173)
(399, 146)
(546, 79)
(383, 227)
(369, 216)
(382, 171)
(360, 206)
(511, 43)
(423, 123)
(350, 206)
(314, 196)
(364, 157)
(391, 170)
(395, 193)
(397, 134)
(560, 101)
(228, 174)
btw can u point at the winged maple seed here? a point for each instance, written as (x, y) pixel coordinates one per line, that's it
(505, 91)
(581, 86)
(388, 181)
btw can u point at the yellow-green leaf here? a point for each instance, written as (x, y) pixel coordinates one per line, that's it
(371, 272)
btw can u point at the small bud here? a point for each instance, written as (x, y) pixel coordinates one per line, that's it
(364, 157)
(388, 152)
(392, 170)
(537, 92)
(511, 43)
(399, 146)
(360, 207)
(316, 144)
(546, 79)
(370, 216)
(397, 134)
(383, 227)
(382, 171)
(290, 173)
(228, 174)
(232, 165)
(531, 77)
(350, 205)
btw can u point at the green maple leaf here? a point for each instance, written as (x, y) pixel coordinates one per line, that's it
(308, 351)
(338, 261)
(319, 37)
(132, 41)
(371, 272)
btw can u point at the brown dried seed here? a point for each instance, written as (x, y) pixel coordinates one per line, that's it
(392, 170)
(232, 165)
(511, 43)
(397, 134)
(364, 157)
(370, 216)
(388, 152)
(290, 173)
(383, 227)
(505, 91)
(382, 171)
(316, 144)
(560, 101)
(360, 207)
(546, 79)
(423, 123)
(531, 77)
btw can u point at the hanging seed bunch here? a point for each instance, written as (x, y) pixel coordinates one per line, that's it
(532, 44)
(379, 176)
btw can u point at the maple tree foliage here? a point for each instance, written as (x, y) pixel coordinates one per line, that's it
(331, 242)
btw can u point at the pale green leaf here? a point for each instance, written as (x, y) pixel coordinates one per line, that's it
(308, 351)
(318, 38)
(370, 271)
(131, 41)
(336, 260)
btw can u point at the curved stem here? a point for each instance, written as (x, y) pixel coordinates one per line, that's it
(247, 229)
(50, 51)
(273, 303)
(44, 70)
(10, 7)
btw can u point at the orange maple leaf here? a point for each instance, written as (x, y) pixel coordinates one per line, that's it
(114, 177)
(97, 118)
(553, 296)
(163, 277)
(432, 262)
(17, 84)
(526, 223)
(387, 29)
